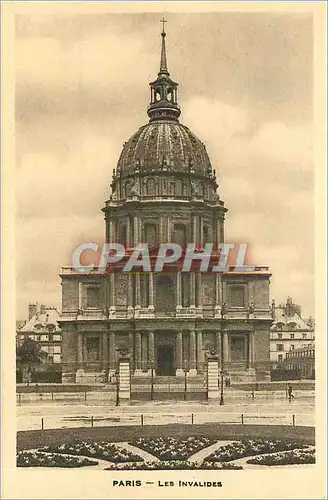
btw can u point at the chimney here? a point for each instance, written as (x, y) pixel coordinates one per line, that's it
(42, 309)
(32, 310)
(289, 305)
(273, 310)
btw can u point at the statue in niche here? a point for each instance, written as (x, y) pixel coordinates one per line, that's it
(195, 187)
(113, 196)
(135, 188)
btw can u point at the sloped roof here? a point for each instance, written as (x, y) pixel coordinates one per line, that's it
(40, 322)
(288, 320)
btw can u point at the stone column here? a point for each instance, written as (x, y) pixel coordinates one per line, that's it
(192, 351)
(169, 229)
(179, 370)
(200, 354)
(130, 293)
(246, 350)
(201, 229)
(218, 293)
(112, 352)
(192, 282)
(179, 290)
(151, 291)
(138, 352)
(80, 298)
(135, 230)
(194, 228)
(251, 339)
(112, 291)
(111, 230)
(151, 348)
(161, 221)
(79, 350)
(128, 232)
(144, 352)
(130, 342)
(104, 349)
(218, 343)
(137, 291)
(218, 232)
(199, 301)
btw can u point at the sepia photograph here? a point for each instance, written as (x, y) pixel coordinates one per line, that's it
(167, 316)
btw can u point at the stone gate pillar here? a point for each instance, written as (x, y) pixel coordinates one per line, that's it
(124, 380)
(212, 377)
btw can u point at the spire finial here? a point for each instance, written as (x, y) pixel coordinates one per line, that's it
(163, 65)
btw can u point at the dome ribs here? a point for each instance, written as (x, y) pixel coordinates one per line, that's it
(168, 141)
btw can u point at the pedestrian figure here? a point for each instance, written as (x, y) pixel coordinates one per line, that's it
(290, 393)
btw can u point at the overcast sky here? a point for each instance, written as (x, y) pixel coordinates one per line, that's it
(245, 91)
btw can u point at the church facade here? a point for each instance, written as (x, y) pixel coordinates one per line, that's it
(164, 190)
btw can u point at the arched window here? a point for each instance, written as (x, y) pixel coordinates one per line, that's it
(151, 187)
(158, 94)
(127, 189)
(150, 231)
(180, 234)
(165, 294)
(169, 95)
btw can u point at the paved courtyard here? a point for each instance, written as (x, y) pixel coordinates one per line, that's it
(74, 413)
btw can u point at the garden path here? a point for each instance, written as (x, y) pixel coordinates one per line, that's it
(201, 454)
(148, 457)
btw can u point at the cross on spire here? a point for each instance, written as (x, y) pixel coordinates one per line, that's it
(163, 65)
(163, 21)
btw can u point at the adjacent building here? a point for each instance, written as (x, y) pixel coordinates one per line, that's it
(289, 332)
(42, 326)
(164, 190)
(301, 362)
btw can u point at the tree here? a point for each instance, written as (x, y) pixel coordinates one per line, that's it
(29, 355)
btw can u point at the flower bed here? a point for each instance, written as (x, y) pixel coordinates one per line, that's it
(173, 448)
(38, 459)
(96, 449)
(174, 465)
(293, 457)
(241, 449)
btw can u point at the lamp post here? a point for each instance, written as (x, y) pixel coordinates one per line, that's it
(221, 356)
(152, 381)
(185, 380)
